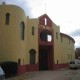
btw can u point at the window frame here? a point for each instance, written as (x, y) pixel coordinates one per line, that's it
(22, 30)
(56, 35)
(7, 18)
(33, 29)
(61, 39)
(44, 35)
(45, 21)
(32, 56)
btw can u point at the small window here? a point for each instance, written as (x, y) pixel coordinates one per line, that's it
(45, 21)
(72, 62)
(33, 30)
(57, 61)
(56, 35)
(22, 30)
(49, 38)
(71, 57)
(32, 56)
(61, 39)
(68, 56)
(7, 18)
(69, 41)
(19, 61)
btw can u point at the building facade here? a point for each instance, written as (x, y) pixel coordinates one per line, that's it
(35, 44)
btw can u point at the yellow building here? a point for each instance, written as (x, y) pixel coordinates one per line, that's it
(35, 44)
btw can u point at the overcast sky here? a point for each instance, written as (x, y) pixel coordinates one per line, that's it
(65, 13)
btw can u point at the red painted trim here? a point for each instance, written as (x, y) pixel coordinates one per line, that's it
(21, 69)
(59, 66)
(26, 68)
(44, 43)
(51, 58)
(42, 22)
(32, 67)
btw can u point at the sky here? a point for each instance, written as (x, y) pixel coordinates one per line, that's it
(65, 13)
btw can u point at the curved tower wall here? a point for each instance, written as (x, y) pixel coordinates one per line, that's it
(11, 44)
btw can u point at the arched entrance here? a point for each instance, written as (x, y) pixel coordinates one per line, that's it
(45, 50)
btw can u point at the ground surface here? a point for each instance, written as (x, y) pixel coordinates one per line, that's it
(50, 75)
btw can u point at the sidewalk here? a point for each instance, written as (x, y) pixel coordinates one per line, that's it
(50, 75)
(24, 76)
(39, 75)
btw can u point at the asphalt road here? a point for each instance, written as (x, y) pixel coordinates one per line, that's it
(62, 74)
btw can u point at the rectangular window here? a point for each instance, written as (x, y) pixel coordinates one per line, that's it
(69, 41)
(57, 61)
(68, 56)
(49, 38)
(7, 18)
(56, 35)
(22, 30)
(61, 39)
(32, 58)
(71, 57)
(45, 21)
(19, 61)
(33, 30)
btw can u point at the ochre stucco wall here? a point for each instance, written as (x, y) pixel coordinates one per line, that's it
(12, 47)
(32, 40)
(63, 51)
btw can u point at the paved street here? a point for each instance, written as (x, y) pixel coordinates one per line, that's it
(50, 75)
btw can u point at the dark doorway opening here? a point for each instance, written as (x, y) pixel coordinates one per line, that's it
(46, 58)
(43, 59)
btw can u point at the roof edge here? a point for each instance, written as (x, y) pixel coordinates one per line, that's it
(69, 37)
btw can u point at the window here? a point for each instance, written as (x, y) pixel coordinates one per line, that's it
(71, 57)
(72, 62)
(45, 21)
(68, 56)
(46, 36)
(61, 39)
(69, 41)
(57, 61)
(56, 35)
(33, 30)
(32, 56)
(49, 38)
(19, 61)
(22, 30)
(7, 18)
